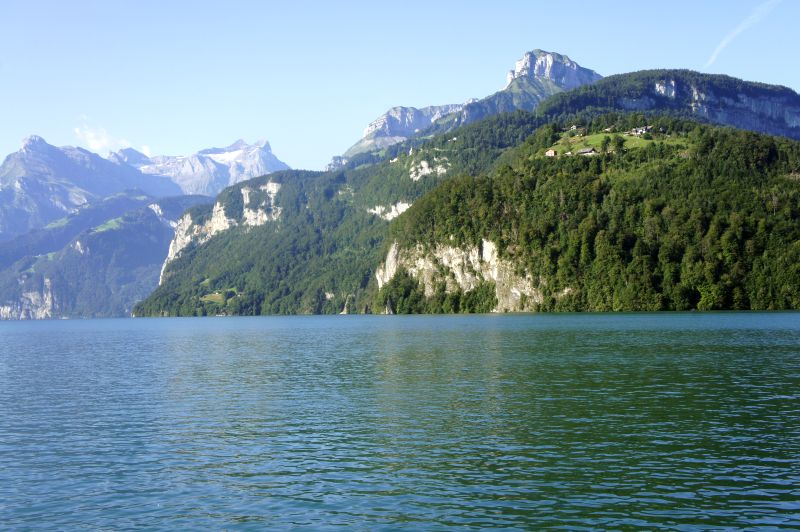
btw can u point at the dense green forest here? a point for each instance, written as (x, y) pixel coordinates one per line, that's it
(686, 216)
(700, 218)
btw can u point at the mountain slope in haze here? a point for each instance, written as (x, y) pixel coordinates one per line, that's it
(536, 76)
(399, 123)
(97, 262)
(53, 200)
(59, 233)
(41, 183)
(207, 171)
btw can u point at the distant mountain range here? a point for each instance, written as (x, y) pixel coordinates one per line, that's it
(465, 207)
(96, 262)
(207, 171)
(41, 183)
(535, 77)
(83, 235)
(487, 209)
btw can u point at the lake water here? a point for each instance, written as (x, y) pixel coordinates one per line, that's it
(626, 420)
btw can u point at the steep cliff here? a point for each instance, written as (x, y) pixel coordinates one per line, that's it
(712, 98)
(34, 303)
(241, 206)
(560, 69)
(464, 269)
(399, 124)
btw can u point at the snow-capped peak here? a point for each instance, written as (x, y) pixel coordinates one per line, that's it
(209, 171)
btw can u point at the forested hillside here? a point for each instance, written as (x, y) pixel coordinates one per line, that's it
(695, 217)
(320, 255)
(679, 216)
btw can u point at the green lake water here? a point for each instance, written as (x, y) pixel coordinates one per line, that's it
(521, 421)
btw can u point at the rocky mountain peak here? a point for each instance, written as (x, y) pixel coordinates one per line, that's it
(558, 68)
(405, 121)
(209, 171)
(548, 73)
(33, 143)
(130, 156)
(239, 145)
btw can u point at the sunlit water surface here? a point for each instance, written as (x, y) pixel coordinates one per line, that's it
(628, 420)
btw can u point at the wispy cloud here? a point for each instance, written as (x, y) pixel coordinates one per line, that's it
(97, 139)
(761, 11)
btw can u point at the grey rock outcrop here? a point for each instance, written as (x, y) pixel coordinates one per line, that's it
(536, 76)
(398, 124)
(558, 68)
(464, 269)
(208, 171)
(35, 303)
(258, 208)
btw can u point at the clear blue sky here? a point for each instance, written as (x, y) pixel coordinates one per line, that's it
(177, 77)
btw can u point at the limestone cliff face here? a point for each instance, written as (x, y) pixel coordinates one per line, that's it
(258, 208)
(746, 112)
(396, 125)
(773, 112)
(743, 110)
(34, 304)
(405, 121)
(390, 212)
(558, 68)
(464, 269)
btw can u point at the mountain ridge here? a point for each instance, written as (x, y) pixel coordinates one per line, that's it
(313, 242)
(528, 232)
(714, 98)
(41, 183)
(209, 170)
(97, 262)
(537, 75)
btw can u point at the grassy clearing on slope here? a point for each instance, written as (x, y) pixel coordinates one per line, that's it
(571, 142)
(220, 297)
(110, 225)
(61, 222)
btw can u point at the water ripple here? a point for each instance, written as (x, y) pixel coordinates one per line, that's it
(677, 421)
